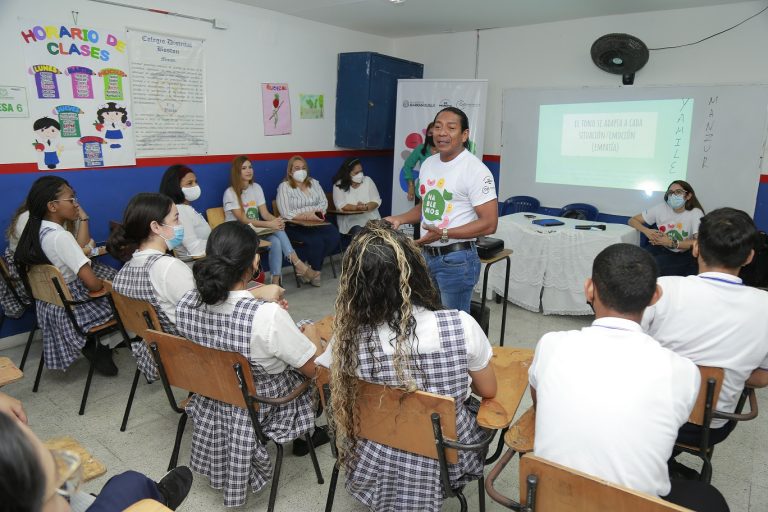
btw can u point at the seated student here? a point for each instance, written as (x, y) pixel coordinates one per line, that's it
(713, 319)
(150, 227)
(677, 220)
(392, 329)
(244, 201)
(180, 184)
(51, 203)
(221, 313)
(609, 400)
(355, 192)
(36, 479)
(300, 197)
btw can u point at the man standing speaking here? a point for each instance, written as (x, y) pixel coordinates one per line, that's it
(459, 204)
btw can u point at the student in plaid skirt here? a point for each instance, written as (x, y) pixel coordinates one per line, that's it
(52, 202)
(150, 274)
(221, 313)
(391, 329)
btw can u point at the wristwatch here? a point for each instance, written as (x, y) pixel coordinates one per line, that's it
(444, 237)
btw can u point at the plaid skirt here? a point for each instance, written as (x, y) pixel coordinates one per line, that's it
(61, 342)
(224, 444)
(12, 307)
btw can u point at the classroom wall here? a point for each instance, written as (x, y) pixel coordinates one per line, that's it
(556, 55)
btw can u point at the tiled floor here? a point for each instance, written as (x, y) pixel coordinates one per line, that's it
(740, 463)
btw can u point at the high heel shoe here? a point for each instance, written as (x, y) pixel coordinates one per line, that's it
(309, 276)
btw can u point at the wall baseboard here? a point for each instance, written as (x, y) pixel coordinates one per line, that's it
(18, 339)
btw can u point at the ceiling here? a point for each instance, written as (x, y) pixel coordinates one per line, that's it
(422, 17)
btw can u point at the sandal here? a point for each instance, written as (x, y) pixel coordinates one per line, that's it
(309, 275)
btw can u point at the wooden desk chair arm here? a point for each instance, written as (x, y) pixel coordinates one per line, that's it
(295, 393)
(736, 416)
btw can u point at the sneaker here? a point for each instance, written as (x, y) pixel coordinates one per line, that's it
(175, 486)
(319, 438)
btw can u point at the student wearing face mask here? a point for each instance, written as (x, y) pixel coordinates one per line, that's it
(180, 184)
(357, 193)
(300, 197)
(677, 225)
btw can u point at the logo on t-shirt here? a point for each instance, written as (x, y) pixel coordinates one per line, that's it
(251, 210)
(436, 203)
(674, 231)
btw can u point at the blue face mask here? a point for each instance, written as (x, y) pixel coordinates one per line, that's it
(675, 202)
(178, 237)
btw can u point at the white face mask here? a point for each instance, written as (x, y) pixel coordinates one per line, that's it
(191, 193)
(358, 178)
(300, 175)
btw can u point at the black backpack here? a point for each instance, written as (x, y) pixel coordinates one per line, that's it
(756, 273)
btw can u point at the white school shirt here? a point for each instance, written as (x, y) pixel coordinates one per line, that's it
(479, 351)
(450, 191)
(18, 228)
(63, 251)
(610, 401)
(276, 342)
(252, 198)
(682, 226)
(196, 232)
(293, 201)
(171, 278)
(365, 193)
(713, 320)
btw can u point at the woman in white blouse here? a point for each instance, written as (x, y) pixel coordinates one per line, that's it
(301, 198)
(357, 193)
(180, 184)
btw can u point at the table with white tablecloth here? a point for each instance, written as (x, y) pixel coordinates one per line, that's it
(550, 263)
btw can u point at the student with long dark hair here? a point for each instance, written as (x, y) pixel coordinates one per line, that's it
(52, 202)
(355, 193)
(221, 313)
(391, 329)
(180, 184)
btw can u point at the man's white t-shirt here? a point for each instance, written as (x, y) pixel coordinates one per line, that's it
(680, 226)
(63, 251)
(171, 278)
(450, 191)
(252, 198)
(713, 320)
(196, 232)
(610, 401)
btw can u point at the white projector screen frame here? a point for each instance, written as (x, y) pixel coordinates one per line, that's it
(727, 142)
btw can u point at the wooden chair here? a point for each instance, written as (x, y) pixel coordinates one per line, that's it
(215, 216)
(335, 212)
(46, 284)
(550, 487)
(419, 422)
(228, 379)
(23, 302)
(705, 411)
(519, 438)
(135, 316)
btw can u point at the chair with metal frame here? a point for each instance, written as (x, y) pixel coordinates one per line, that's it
(134, 316)
(705, 411)
(181, 362)
(519, 439)
(20, 305)
(579, 210)
(417, 422)
(215, 216)
(517, 204)
(46, 284)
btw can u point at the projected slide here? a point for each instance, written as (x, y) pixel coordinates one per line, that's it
(639, 145)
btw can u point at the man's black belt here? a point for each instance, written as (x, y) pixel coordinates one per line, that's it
(447, 249)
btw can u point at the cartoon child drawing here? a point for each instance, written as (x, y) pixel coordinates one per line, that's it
(114, 119)
(48, 131)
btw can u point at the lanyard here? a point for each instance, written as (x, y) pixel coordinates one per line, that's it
(721, 280)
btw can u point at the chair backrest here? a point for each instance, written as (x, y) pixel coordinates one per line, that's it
(202, 370)
(215, 216)
(42, 283)
(517, 204)
(275, 210)
(559, 488)
(575, 210)
(698, 414)
(135, 315)
(331, 203)
(402, 420)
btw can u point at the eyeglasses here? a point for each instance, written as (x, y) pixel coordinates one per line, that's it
(69, 472)
(677, 192)
(73, 199)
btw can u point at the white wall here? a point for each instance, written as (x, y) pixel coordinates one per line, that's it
(260, 46)
(556, 55)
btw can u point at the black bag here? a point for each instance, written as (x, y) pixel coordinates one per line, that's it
(487, 247)
(482, 317)
(756, 273)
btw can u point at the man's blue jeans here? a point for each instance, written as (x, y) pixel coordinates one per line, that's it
(455, 274)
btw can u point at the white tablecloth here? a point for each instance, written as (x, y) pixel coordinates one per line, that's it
(550, 264)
